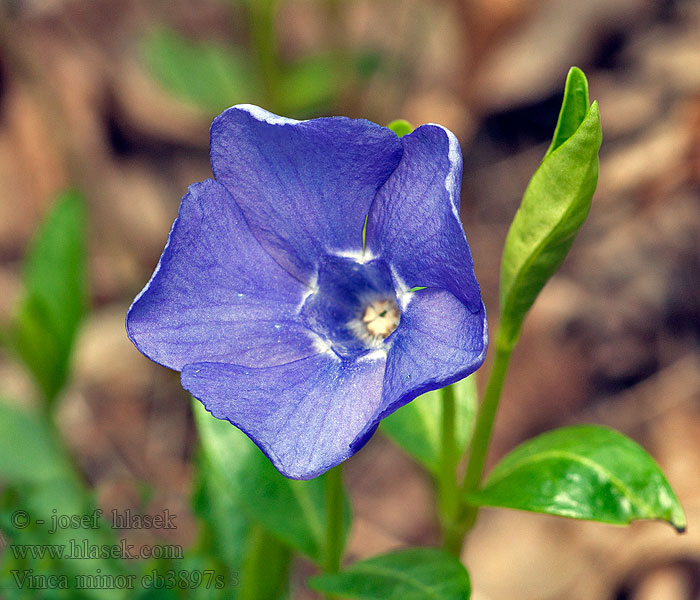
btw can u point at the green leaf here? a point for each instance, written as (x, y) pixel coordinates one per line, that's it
(416, 427)
(583, 472)
(34, 465)
(367, 63)
(401, 127)
(210, 75)
(415, 574)
(554, 207)
(55, 298)
(294, 511)
(224, 531)
(253, 563)
(573, 109)
(310, 85)
(29, 452)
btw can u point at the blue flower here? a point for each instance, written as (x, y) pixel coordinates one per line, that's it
(286, 293)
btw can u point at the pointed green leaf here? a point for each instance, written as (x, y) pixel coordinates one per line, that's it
(400, 127)
(583, 472)
(208, 74)
(574, 108)
(55, 296)
(294, 511)
(554, 207)
(415, 574)
(416, 427)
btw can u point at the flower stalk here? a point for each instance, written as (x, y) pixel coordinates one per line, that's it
(448, 490)
(334, 520)
(264, 38)
(483, 429)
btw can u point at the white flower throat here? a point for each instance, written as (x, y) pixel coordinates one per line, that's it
(380, 319)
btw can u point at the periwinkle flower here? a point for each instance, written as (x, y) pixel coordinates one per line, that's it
(286, 293)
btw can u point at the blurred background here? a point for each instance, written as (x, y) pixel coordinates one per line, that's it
(114, 98)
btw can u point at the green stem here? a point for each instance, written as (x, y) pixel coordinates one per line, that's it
(447, 482)
(262, 15)
(253, 564)
(265, 569)
(483, 429)
(76, 474)
(334, 520)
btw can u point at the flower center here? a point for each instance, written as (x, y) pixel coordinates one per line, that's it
(381, 318)
(352, 307)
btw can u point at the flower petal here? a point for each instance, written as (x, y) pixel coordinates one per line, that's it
(216, 295)
(438, 341)
(303, 415)
(414, 222)
(305, 187)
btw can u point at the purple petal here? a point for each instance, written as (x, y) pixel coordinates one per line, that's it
(305, 187)
(216, 295)
(303, 415)
(414, 222)
(439, 341)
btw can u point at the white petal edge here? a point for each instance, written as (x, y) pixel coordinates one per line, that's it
(260, 114)
(454, 156)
